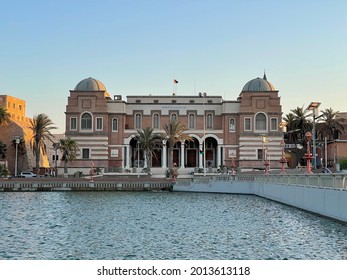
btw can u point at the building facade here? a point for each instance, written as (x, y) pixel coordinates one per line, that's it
(19, 154)
(245, 130)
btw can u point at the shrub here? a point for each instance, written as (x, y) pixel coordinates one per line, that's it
(343, 163)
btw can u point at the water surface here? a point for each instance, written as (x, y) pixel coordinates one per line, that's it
(162, 225)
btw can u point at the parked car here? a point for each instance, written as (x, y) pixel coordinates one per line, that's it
(27, 175)
(326, 170)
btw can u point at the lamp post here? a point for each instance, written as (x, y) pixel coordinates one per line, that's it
(314, 107)
(55, 147)
(308, 156)
(204, 130)
(267, 163)
(264, 140)
(283, 161)
(164, 153)
(17, 139)
(138, 159)
(232, 164)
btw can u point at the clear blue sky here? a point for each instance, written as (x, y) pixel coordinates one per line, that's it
(139, 47)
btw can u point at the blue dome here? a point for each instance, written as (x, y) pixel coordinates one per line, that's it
(90, 84)
(259, 85)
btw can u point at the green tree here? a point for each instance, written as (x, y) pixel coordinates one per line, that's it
(3, 150)
(68, 147)
(300, 121)
(330, 125)
(41, 126)
(148, 141)
(174, 132)
(4, 116)
(292, 130)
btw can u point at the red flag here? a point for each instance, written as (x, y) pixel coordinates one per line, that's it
(175, 82)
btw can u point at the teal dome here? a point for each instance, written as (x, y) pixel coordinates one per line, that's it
(259, 85)
(90, 84)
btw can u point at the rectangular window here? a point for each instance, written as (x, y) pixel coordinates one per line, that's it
(191, 121)
(98, 123)
(232, 125)
(115, 124)
(156, 121)
(85, 153)
(274, 124)
(138, 121)
(73, 123)
(260, 154)
(247, 124)
(209, 121)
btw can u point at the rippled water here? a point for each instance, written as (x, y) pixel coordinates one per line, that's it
(162, 225)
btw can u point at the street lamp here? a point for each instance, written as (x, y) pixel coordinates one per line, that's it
(314, 107)
(164, 153)
(264, 141)
(17, 139)
(283, 161)
(138, 158)
(232, 164)
(56, 146)
(308, 156)
(203, 95)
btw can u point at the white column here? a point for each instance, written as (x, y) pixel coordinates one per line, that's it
(127, 148)
(164, 157)
(182, 155)
(200, 156)
(218, 156)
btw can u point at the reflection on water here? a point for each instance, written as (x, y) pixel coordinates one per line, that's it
(162, 225)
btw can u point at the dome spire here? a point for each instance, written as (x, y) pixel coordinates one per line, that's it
(264, 77)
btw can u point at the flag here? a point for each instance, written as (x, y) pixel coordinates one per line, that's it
(175, 82)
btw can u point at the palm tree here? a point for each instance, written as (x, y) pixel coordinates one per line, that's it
(149, 141)
(68, 147)
(300, 121)
(4, 116)
(174, 132)
(330, 126)
(41, 126)
(292, 131)
(3, 150)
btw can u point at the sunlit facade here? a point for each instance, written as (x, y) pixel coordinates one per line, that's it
(246, 129)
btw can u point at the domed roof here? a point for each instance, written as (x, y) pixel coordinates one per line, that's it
(90, 84)
(259, 84)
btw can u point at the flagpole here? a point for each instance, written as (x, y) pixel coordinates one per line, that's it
(175, 82)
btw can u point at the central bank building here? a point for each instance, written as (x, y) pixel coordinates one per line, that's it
(245, 130)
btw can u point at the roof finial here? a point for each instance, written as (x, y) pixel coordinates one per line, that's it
(264, 77)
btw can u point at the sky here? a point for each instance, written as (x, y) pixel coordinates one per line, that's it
(139, 47)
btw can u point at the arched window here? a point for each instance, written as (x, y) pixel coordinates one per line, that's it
(86, 121)
(260, 122)
(138, 120)
(156, 120)
(114, 124)
(231, 125)
(173, 117)
(209, 121)
(191, 121)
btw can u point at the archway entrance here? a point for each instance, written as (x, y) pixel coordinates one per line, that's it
(192, 153)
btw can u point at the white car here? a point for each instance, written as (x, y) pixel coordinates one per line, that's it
(27, 175)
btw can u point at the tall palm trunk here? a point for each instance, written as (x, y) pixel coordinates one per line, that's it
(37, 158)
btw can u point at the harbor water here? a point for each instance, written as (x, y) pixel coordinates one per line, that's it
(162, 225)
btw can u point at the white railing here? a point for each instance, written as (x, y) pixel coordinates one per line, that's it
(315, 180)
